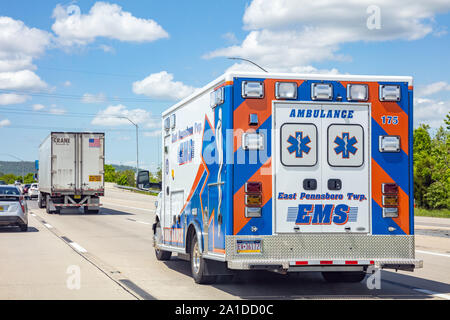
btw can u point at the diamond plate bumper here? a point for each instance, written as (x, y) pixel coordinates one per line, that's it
(279, 251)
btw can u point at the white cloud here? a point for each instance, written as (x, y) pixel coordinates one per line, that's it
(93, 98)
(433, 88)
(21, 80)
(161, 86)
(19, 45)
(67, 83)
(287, 34)
(430, 111)
(37, 107)
(116, 116)
(56, 110)
(106, 48)
(12, 98)
(4, 123)
(230, 37)
(155, 133)
(103, 20)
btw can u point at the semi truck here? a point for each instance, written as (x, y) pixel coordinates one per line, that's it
(71, 171)
(289, 173)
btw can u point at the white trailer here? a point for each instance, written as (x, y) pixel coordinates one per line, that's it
(71, 171)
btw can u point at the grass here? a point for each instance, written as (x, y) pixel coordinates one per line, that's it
(437, 213)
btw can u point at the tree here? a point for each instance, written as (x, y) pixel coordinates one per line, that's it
(110, 173)
(127, 178)
(431, 167)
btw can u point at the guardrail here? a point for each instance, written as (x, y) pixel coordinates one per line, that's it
(136, 189)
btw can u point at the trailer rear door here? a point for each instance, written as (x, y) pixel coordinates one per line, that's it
(91, 159)
(322, 168)
(63, 161)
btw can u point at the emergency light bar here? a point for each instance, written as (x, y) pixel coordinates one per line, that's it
(321, 91)
(389, 93)
(389, 144)
(357, 92)
(286, 90)
(253, 141)
(217, 97)
(252, 89)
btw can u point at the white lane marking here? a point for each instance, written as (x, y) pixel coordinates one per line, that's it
(143, 222)
(434, 294)
(48, 225)
(33, 214)
(77, 247)
(118, 205)
(434, 253)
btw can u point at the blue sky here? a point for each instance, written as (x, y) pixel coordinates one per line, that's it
(64, 63)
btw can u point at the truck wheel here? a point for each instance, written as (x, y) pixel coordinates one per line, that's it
(40, 202)
(198, 265)
(93, 211)
(161, 255)
(351, 276)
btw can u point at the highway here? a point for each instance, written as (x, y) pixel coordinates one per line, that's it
(110, 256)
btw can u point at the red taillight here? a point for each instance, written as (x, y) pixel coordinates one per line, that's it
(22, 204)
(253, 199)
(389, 188)
(390, 200)
(253, 187)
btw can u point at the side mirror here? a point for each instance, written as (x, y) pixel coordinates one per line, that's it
(143, 179)
(156, 204)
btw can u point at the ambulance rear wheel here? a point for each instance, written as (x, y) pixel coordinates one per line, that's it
(198, 264)
(353, 276)
(161, 255)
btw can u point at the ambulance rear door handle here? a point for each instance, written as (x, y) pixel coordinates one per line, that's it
(310, 184)
(334, 184)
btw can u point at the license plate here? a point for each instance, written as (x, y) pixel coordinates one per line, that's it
(248, 246)
(77, 197)
(95, 178)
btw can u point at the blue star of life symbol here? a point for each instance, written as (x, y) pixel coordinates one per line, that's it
(299, 144)
(345, 145)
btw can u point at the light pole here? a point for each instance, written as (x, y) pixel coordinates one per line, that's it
(137, 146)
(237, 58)
(23, 163)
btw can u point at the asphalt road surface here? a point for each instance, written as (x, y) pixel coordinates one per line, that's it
(110, 256)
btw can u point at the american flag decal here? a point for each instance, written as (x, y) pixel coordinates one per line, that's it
(94, 143)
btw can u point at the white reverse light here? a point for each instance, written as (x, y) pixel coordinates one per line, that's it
(389, 144)
(321, 91)
(389, 93)
(253, 141)
(390, 213)
(252, 89)
(286, 90)
(357, 92)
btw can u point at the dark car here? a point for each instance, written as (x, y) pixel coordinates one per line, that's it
(2, 183)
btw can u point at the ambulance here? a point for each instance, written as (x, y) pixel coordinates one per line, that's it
(289, 173)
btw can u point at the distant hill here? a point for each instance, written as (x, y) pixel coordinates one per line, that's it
(15, 167)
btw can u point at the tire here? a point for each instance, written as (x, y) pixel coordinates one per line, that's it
(23, 227)
(87, 211)
(40, 202)
(350, 276)
(161, 255)
(198, 265)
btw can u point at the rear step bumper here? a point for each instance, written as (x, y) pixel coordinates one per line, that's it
(327, 265)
